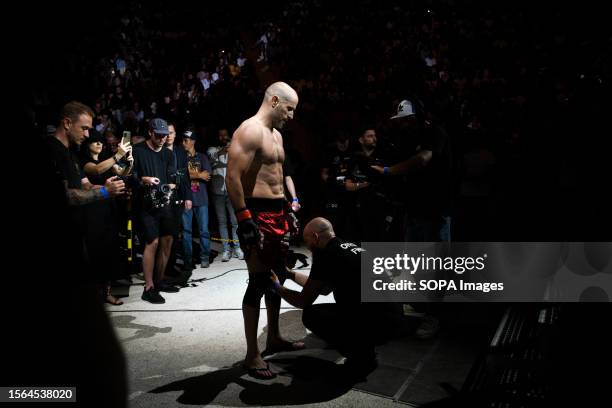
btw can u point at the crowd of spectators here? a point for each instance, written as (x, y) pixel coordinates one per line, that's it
(513, 84)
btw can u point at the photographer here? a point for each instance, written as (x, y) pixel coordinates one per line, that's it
(154, 166)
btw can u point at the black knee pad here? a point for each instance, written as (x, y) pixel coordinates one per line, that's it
(258, 283)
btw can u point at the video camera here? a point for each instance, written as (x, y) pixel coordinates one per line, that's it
(162, 196)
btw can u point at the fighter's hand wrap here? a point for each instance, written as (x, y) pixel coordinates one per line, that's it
(248, 232)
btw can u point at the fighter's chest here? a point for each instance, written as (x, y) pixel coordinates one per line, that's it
(272, 150)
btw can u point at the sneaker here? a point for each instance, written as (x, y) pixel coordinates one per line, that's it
(152, 296)
(429, 327)
(226, 256)
(166, 287)
(238, 253)
(204, 264)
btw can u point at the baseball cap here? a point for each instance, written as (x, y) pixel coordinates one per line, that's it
(404, 109)
(159, 126)
(190, 134)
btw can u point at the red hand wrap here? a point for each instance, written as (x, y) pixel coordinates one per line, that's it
(243, 215)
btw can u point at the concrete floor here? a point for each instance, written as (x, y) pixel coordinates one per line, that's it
(186, 351)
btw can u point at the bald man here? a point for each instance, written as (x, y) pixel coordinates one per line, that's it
(254, 183)
(351, 326)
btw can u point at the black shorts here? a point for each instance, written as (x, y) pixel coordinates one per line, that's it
(158, 222)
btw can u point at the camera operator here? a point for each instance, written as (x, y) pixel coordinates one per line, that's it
(154, 166)
(363, 184)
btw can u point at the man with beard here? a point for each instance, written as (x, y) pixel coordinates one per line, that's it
(255, 187)
(154, 165)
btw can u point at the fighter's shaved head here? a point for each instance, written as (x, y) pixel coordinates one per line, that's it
(282, 90)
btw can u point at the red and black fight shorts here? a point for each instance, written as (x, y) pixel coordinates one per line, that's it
(271, 217)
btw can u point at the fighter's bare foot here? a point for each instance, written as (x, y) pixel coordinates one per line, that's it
(258, 368)
(280, 345)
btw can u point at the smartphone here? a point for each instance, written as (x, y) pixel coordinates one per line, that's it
(127, 137)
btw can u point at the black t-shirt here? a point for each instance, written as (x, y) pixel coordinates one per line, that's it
(66, 168)
(337, 162)
(432, 185)
(339, 266)
(65, 162)
(149, 163)
(96, 179)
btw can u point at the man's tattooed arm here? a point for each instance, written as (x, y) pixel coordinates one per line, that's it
(78, 196)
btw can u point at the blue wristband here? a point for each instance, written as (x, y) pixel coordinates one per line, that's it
(104, 192)
(386, 170)
(295, 200)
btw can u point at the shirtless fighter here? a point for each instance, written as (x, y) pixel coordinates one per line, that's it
(255, 186)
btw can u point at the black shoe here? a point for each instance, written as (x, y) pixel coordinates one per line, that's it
(152, 296)
(166, 287)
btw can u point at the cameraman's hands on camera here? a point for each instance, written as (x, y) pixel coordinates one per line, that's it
(114, 186)
(150, 181)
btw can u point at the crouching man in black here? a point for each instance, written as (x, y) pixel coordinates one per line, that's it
(349, 325)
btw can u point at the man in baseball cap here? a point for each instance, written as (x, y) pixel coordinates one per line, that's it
(404, 109)
(159, 126)
(199, 169)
